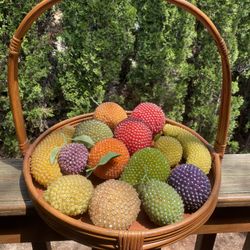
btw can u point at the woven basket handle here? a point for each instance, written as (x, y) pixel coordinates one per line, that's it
(15, 45)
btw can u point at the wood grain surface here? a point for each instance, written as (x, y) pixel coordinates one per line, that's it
(235, 185)
(14, 198)
(235, 181)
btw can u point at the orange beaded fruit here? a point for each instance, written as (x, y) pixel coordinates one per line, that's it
(110, 113)
(114, 167)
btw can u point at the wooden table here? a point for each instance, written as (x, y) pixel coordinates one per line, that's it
(20, 223)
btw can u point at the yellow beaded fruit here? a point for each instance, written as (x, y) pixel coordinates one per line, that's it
(194, 151)
(70, 194)
(43, 171)
(171, 148)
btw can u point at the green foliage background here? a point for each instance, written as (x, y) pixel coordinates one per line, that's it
(81, 53)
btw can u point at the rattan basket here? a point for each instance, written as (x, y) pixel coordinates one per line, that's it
(141, 235)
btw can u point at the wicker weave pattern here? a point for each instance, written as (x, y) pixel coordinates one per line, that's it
(130, 241)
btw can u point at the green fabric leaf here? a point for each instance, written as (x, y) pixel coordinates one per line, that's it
(89, 171)
(106, 158)
(53, 155)
(85, 139)
(157, 136)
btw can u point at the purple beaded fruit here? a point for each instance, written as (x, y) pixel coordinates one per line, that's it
(192, 184)
(73, 158)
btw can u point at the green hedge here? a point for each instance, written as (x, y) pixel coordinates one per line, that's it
(241, 74)
(81, 53)
(35, 73)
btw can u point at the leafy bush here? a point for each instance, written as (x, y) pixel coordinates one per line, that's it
(95, 39)
(204, 88)
(241, 73)
(35, 69)
(160, 70)
(81, 53)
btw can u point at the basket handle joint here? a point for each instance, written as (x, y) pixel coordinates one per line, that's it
(15, 46)
(220, 148)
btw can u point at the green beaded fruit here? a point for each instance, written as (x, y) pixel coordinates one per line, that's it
(161, 202)
(95, 129)
(145, 164)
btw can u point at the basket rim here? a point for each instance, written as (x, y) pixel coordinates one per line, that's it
(110, 233)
